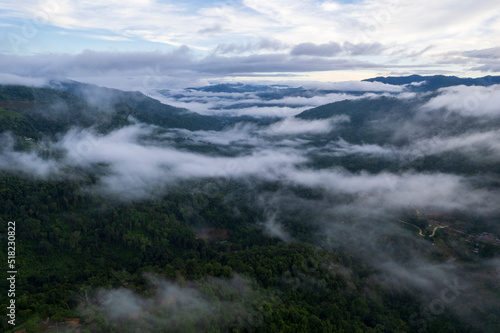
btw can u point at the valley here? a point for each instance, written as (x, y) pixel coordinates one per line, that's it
(339, 210)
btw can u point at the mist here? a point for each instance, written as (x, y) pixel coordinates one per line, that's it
(359, 206)
(176, 306)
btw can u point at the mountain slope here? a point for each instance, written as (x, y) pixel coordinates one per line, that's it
(430, 83)
(142, 107)
(48, 111)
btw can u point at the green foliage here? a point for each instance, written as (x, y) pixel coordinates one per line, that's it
(39, 112)
(72, 244)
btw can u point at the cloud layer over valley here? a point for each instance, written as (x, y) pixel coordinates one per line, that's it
(353, 172)
(312, 165)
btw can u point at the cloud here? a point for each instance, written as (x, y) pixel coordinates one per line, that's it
(178, 308)
(363, 48)
(385, 192)
(355, 86)
(473, 101)
(25, 163)
(294, 126)
(275, 104)
(142, 169)
(334, 49)
(239, 134)
(480, 146)
(21, 80)
(483, 60)
(251, 46)
(271, 63)
(141, 163)
(341, 147)
(360, 213)
(358, 29)
(488, 65)
(322, 50)
(234, 104)
(263, 111)
(148, 70)
(490, 53)
(273, 228)
(211, 30)
(357, 211)
(475, 146)
(90, 62)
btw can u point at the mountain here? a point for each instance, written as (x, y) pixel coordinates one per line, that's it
(374, 213)
(47, 111)
(390, 127)
(430, 83)
(232, 88)
(242, 91)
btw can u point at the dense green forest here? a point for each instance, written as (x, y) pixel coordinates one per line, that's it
(70, 245)
(203, 254)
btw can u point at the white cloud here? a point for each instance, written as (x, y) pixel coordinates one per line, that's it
(385, 191)
(137, 167)
(294, 126)
(480, 146)
(402, 29)
(239, 134)
(356, 86)
(175, 307)
(26, 163)
(140, 169)
(22, 80)
(319, 50)
(341, 147)
(273, 228)
(233, 104)
(474, 101)
(264, 111)
(150, 70)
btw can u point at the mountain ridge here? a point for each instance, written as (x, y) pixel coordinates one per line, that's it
(435, 82)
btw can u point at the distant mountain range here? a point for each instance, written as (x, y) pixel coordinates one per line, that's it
(64, 104)
(434, 82)
(414, 82)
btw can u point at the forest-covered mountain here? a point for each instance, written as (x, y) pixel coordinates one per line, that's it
(301, 210)
(49, 111)
(434, 82)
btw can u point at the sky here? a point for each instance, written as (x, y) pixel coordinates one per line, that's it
(136, 44)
